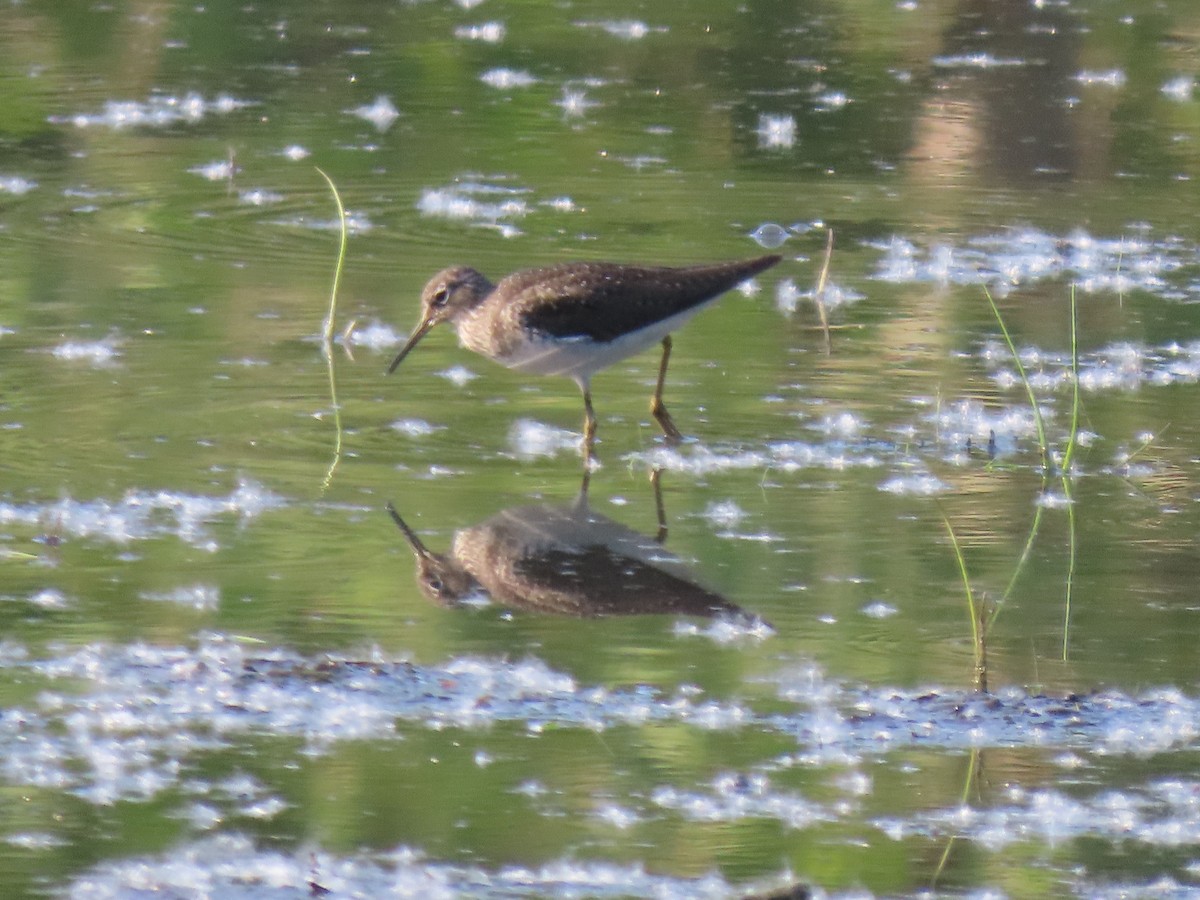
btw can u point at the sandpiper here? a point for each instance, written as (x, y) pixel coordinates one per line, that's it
(576, 318)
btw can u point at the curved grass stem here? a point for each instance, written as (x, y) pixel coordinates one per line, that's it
(327, 333)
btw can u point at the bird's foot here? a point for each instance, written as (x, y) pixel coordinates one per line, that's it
(672, 434)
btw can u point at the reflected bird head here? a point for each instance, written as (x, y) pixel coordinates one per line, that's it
(448, 295)
(440, 578)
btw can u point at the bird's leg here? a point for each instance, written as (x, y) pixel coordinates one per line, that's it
(659, 507)
(656, 404)
(589, 423)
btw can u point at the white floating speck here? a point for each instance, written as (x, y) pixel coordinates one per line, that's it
(202, 816)
(295, 152)
(156, 112)
(619, 817)
(415, 427)
(504, 78)
(530, 439)
(1107, 78)
(879, 610)
(725, 513)
(140, 515)
(218, 170)
(770, 235)
(843, 425)
(627, 29)
(265, 808)
(922, 485)
(98, 353)
(15, 184)
(787, 296)
(976, 61)
(776, 132)
(749, 288)
(1053, 500)
(836, 295)
(531, 788)
(574, 102)
(1070, 761)
(725, 629)
(356, 223)
(36, 840)
(463, 202)
(488, 32)
(382, 113)
(459, 376)
(49, 598)
(259, 197)
(198, 596)
(375, 336)
(1179, 88)
(832, 100)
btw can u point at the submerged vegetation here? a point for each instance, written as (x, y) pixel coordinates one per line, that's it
(1056, 468)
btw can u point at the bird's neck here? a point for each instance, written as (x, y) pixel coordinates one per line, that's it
(482, 329)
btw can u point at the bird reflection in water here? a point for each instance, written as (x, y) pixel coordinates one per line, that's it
(567, 560)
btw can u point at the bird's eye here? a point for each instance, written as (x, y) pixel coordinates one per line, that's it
(440, 296)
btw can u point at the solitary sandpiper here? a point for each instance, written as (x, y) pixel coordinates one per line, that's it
(576, 318)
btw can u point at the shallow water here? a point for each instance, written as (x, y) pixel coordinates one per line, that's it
(218, 673)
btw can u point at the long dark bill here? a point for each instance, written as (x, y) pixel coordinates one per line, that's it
(413, 339)
(418, 547)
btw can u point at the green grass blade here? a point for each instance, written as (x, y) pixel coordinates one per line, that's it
(1072, 546)
(966, 580)
(327, 329)
(327, 334)
(1068, 455)
(1039, 424)
(1072, 438)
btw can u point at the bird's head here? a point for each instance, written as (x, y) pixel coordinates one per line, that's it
(448, 295)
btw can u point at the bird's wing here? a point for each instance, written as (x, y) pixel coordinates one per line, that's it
(603, 301)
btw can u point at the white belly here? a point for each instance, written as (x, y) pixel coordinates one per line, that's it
(581, 357)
